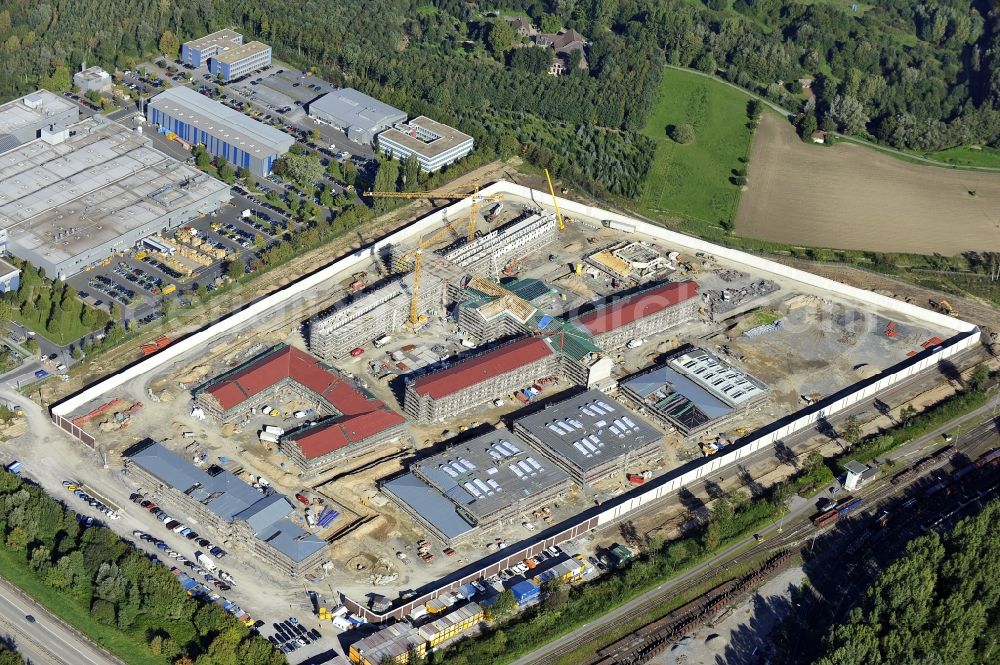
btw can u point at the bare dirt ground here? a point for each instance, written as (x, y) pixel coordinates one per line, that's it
(850, 197)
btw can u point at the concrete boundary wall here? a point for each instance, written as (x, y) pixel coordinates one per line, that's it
(967, 336)
(283, 295)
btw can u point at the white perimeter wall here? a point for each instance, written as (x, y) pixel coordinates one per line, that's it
(966, 334)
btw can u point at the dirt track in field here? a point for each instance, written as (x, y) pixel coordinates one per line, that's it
(849, 197)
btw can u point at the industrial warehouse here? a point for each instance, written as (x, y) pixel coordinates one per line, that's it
(227, 133)
(257, 520)
(348, 421)
(356, 114)
(493, 478)
(85, 190)
(22, 119)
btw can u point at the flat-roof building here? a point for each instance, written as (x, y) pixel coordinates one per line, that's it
(359, 116)
(92, 79)
(84, 191)
(591, 436)
(352, 422)
(478, 379)
(22, 119)
(393, 644)
(647, 312)
(695, 390)
(434, 144)
(10, 277)
(492, 479)
(236, 61)
(197, 51)
(257, 520)
(223, 131)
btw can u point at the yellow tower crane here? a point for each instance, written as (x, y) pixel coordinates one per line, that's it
(477, 201)
(555, 201)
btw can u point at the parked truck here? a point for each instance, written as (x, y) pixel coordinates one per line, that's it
(15, 468)
(619, 226)
(205, 561)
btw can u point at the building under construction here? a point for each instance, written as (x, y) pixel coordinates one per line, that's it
(360, 319)
(350, 421)
(695, 390)
(492, 479)
(646, 312)
(256, 520)
(591, 436)
(478, 379)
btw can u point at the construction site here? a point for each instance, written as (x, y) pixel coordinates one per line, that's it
(499, 374)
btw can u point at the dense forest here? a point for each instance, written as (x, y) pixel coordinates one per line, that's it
(940, 603)
(921, 75)
(91, 571)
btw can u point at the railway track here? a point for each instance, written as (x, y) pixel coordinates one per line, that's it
(791, 538)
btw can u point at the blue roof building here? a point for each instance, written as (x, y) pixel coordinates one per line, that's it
(257, 519)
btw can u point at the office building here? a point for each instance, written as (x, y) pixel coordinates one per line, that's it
(84, 191)
(359, 116)
(238, 61)
(434, 144)
(591, 436)
(195, 118)
(22, 119)
(492, 479)
(92, 79)
(198, 51)
(256, 520)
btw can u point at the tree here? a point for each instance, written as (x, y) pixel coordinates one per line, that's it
(504, 607)
(980, 378)
(103, 611)
(852, 431)
(58, 78)
(201, 157)
(226, 173)
(169, 44)
(500, 38)
(385, 181)
(301, 169)
(682, 134)
(806, 126)
(849, 114)
(236, 269)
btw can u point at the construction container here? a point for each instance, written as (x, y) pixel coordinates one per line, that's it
(525, 592)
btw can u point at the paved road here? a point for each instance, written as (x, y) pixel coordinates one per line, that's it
(854, 139)
(797, 511)
(48, 639)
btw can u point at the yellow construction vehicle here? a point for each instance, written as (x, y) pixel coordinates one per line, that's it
(477, 201)
(555, 201)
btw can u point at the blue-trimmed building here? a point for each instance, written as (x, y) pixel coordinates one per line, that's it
(240, 60)
(197, 51)
(223, 131)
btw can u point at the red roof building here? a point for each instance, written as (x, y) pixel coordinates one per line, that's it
(634, 308)
(480, 368)
(360, 421)
(480, 379)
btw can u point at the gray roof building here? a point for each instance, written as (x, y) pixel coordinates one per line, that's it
(591, 436)
(360, 117)
(21, 119)
(261, 519)
(488, 480)
(84, 191)
(224, 131)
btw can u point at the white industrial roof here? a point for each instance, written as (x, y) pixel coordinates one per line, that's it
(31, 109)
(236, 129)
(58, 200)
